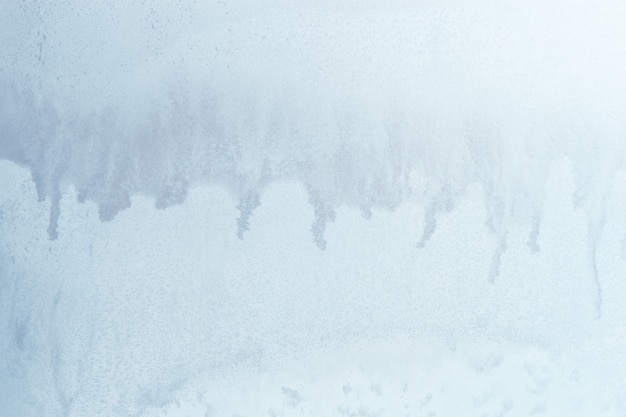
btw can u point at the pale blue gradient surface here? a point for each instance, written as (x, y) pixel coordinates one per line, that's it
(333, 209)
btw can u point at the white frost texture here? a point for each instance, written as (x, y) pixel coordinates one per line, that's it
(281, 208)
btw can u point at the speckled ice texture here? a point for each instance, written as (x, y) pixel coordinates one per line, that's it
(329, 208)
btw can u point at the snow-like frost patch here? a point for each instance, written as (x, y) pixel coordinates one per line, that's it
(401, 377)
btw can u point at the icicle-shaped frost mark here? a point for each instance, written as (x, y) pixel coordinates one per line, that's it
(496, 222)
(596, 279)
(171, 193)
(115, 200)
(442, 203)
(595, 226)
(596, 216)
(533, 236)
(55, 208)
(55, 212)
(494, 270)
(323, 212)
(247, 204)
(430, 225)
(322, 215)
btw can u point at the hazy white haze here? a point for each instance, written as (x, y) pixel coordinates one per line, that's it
(333, 208)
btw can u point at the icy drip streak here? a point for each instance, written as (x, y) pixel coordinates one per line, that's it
(430, 225)
(443, 203)
(247, 204)
(595, 227)
(498, 216)
(55, 211)
(323, 213)
(494, 269)
(596, 279)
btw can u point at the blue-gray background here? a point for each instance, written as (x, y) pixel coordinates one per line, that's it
(341, 208)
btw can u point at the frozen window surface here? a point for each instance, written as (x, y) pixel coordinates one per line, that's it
(280, 208)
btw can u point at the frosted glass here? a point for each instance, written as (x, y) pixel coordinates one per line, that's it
(340, 208)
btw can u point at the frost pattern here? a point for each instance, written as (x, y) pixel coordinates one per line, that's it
(373, 107)
(336, 101)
